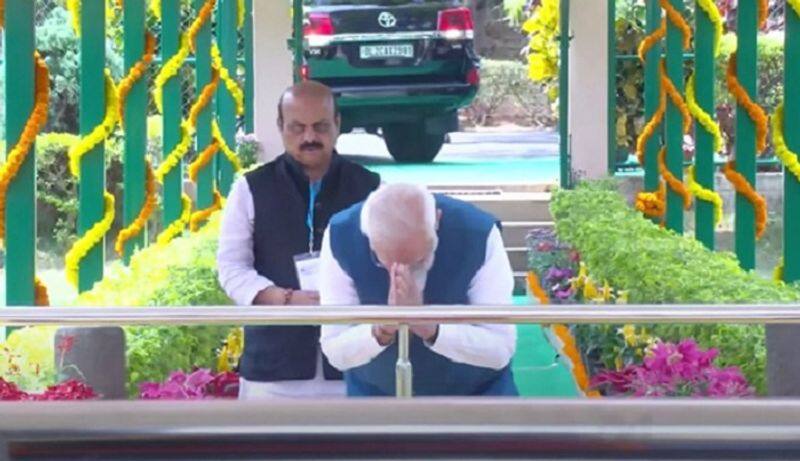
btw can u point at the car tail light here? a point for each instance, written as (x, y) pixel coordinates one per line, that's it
(473, 77)
(304, 72)
(456, 24)
(318, 29)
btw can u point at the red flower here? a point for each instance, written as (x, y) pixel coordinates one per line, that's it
(65, 344)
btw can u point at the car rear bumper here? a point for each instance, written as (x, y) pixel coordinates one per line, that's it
(445, 89)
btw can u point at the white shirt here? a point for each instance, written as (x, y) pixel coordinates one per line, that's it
(490, 346)
(241, 282)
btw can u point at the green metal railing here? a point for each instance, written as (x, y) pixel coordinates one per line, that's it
(670, 135)
(19, 34)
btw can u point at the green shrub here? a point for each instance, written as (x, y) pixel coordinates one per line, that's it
(655, 265)
(182, 273)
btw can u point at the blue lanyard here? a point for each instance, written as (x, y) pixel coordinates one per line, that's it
(313, 191)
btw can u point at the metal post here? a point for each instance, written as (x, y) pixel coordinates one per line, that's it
(135, 123)
(674, 122)
(652, 86)
(202, 72)
(249, 75)
(612, 87)
(791, 214)
(20, 214)
(403, 370)
(92, 112)
(746, 59)
(226, 107)
(297, 37)
(563, 95)
(704, 150)
(173, 111)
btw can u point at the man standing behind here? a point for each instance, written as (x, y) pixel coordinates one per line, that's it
(272, 225)
(406, 247)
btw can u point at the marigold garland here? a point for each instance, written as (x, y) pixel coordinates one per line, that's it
(2, 13)
(138, 224)
(74, 8)
(169, 70)
(673, 182)
(202, 160)
(703, 118)
(100, 132)
(136, 73)
(566, 340)
(535, 288)
(202, 18)
(778, 272)
(677, 19)
(652, 204)
(176, 227)
(706, 195)
(155, 8)
(188, 128)
(763, 13)
(675, 97)
(795, 4)
(233, 87)
(743, 187)
(755, 111)
(714, 15)
(17, 155)
(786, 156)
(216, 133)
(201, 216)
(651, 126)
(91, 238)
(37, 120)
(174, 158)
(40, 295)
(651, 40)
(240, 14)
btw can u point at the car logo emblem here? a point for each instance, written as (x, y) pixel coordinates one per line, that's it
(387, 20)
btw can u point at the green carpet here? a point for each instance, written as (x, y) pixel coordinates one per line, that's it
(537, 371)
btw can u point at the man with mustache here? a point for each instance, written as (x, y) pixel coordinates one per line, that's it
(407, 247)
(270, 236)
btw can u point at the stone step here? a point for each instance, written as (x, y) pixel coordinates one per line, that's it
(518, 257)
(512, 206)
(515, 233)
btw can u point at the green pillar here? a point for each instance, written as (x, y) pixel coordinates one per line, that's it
(563, 95)
(704, 147)
(173, 181)
(791, 212)
(202, 72)
(674, 122)
(612, 87)
(297, 37)
(652, 91)
(20, 215)
(747, 72)
(226, 107)
(92, 112)
(249, 76)
(135, 123)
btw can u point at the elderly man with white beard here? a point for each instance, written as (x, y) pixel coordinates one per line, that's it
(404, 246)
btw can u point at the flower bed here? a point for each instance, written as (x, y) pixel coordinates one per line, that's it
(649, 264)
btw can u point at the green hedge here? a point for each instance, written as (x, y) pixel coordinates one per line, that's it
(182, 273)
(658, 266)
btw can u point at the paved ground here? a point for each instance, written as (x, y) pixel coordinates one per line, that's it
(469, 158)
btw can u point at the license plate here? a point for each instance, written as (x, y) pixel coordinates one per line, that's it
(387, 51)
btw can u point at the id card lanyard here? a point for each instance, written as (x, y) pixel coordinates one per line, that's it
(313, 191)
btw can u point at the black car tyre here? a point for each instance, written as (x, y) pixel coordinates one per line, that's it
(408, 142)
